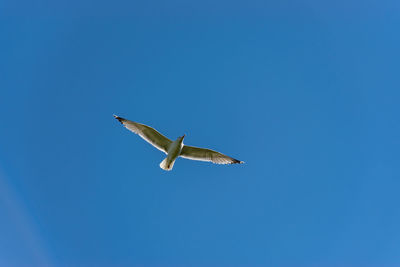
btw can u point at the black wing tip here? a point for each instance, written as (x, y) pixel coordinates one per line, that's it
(236, 161)
(119, 118)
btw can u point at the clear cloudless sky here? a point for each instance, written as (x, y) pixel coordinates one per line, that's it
(305, 92)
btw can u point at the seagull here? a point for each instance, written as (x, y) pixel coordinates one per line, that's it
(175, 149)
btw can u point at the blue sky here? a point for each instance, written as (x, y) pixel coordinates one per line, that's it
(305, 92)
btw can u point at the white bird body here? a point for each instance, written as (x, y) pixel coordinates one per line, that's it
(175, 149)
(173, 153)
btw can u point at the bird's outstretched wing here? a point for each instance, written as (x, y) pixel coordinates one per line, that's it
(149, 134)
(204, 154)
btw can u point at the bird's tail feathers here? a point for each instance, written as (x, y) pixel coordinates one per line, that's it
(165, 165)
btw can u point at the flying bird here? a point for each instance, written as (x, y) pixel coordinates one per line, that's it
(175, 149)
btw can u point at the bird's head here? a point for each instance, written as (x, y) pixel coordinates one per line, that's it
(181, 137)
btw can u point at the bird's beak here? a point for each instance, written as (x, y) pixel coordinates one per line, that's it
(183, 136)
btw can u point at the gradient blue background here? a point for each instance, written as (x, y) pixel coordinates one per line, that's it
(305, 92)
